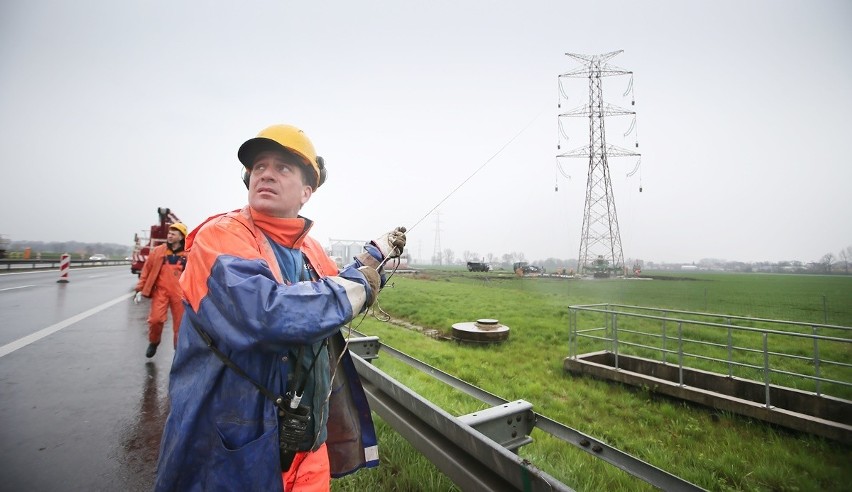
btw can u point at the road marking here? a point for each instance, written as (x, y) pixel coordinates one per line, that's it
(46, 270)
(34, 337)
(54, 270)
(19, 287)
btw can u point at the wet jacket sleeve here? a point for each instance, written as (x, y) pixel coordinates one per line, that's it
(150, 270)
(235, 296)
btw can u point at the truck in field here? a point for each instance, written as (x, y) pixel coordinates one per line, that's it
(478, 266)
(4, 245)
(522, 268)
(145, 241)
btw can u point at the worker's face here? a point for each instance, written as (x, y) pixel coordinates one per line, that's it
(276, 184)
(173, 236)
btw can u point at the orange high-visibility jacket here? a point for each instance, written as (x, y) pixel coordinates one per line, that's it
(151, 269)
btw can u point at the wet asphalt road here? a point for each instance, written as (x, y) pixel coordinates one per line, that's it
(81, 408)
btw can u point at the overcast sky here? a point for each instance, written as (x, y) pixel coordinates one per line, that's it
(109, 110)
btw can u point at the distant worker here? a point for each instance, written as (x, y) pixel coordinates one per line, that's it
(159, 280)
(263, 392)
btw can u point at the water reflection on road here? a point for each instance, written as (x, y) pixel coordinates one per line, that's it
(140, 439)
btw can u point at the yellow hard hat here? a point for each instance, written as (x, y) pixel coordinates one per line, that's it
(287, 137)
(179, 227)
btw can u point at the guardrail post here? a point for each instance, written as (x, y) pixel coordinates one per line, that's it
(730, 348)
(665, 340)
(680, 352)
(366, 348)
(509, 424)
(615, 338)
(572, 333)
(816, 362)
(766, 367)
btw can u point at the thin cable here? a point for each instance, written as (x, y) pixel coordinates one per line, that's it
(474, 173)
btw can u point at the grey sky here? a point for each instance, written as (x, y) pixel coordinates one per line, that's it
(111, 109)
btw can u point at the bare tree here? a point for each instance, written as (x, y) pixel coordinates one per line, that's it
(470, 256)
(844, 257)
(827, 261)
(449, 256)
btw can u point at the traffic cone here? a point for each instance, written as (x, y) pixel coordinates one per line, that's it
(64, 267)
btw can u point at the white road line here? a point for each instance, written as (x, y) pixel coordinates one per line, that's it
(34, 337)
(19, 287)
(46, 270)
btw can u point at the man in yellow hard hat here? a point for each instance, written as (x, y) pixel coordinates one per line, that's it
(159, 280)
(263, 393)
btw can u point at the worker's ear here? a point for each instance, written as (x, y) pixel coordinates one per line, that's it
(323, 173)
(246, 176)
(307, 191)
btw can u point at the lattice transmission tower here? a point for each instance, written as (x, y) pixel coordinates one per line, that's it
(600, 240)
(436, 249)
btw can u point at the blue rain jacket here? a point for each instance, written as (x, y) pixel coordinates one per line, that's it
(221, 432)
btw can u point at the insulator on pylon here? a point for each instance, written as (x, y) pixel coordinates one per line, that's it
(640, 189)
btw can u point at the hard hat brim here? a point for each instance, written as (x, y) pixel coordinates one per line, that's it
(180, 228)
(253, 146)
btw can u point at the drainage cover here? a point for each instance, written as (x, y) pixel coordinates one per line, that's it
(484, 330)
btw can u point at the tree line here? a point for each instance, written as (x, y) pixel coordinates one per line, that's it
(828, 263)
(15, 249)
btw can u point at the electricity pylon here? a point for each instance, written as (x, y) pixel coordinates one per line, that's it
(437, 254)
(600, 240)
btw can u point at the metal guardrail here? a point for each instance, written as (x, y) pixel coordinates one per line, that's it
(615, 338)
(18, 264)
(472, 459)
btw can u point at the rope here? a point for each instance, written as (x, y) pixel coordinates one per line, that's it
(475, 172)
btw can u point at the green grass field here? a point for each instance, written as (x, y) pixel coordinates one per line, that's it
(717, 451)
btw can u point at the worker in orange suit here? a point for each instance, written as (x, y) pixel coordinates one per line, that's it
(159, 281)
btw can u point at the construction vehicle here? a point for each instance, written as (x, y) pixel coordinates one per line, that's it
(477, 266)
(522, 268)
(145, 241)
(4, 245)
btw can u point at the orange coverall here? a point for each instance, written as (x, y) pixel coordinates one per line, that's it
(159, 281)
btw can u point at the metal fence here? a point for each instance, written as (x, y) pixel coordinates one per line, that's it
(470, 450)
(807, 356)
(18, 264)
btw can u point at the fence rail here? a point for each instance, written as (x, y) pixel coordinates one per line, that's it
(821, 348)
(473, 460)
(37, 264)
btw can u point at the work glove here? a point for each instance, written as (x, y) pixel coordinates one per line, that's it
(374, 280)
(137, 298)
(392, 243)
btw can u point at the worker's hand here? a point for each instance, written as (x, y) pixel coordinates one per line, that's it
(137, 298)
(392, 243)
(374, 280)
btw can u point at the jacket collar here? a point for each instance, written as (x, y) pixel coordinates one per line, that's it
(289, 232)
